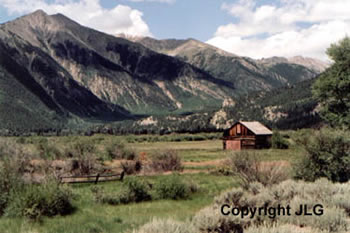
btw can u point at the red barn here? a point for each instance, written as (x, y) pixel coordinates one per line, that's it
(247, 135)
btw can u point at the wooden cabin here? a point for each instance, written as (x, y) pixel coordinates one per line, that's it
(247, 135)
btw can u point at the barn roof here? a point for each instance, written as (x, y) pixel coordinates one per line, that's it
(256, 127)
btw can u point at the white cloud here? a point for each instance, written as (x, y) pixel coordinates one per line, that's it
(161, 1)
(293, 27)
(120, 19)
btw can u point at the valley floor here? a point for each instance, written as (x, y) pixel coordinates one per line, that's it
(201, 160)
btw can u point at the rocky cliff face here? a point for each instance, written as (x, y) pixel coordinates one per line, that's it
(244, 73)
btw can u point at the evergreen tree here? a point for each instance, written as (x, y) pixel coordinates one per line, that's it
(332, 88)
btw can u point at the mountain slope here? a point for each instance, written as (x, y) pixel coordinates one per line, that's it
(290, 107)
(118, 71)
(37, 93)
(54, 71)
(244, 73)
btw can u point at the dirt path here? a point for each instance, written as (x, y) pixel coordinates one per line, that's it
(206, 163)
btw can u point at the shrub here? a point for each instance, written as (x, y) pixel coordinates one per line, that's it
(134, 190)
(9, 181)
(327, 154)
(223, 170)
(173, 187)
(117, 150)
(48, 151)
(278, 142)
(287, 228)
(138, 189)
(166, 161)
(131, 167)
(165, 226)
(34, 201)
(210, 220)
(248, 168)
(84, 154)
(293, 193)
(101, 196)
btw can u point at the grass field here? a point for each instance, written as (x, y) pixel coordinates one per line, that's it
(92, 217)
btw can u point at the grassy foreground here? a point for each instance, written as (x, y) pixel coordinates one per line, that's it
(91, 217)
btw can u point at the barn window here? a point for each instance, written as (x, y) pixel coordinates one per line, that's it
(238, 129)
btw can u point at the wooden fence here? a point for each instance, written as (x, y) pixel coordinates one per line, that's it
(92, 178)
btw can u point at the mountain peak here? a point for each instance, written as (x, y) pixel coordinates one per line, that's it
(36, 16)
(39, 13)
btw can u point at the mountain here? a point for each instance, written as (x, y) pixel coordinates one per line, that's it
(117, 71)
(314, 65)
(290, 107)
(244, 73)
(55, 73)
(36, 92)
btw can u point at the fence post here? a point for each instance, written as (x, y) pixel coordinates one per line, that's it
(122, 176)
(98, 176)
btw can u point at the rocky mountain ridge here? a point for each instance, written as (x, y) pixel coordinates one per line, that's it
(55, 73)
(245, 73)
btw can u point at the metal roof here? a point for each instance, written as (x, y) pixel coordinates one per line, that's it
(256, 127)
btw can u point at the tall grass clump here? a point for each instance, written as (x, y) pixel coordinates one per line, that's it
(34, 201)
(83, 153)
(173, 187)
(20, 197)
(165, 226)
(137, 189)
(118, 150)
(248, 167)
(48, 151)
(326, 154)
(9, 181)
(167, 160)
(134, 189)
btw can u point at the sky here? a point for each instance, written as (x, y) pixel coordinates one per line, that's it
(253, 28)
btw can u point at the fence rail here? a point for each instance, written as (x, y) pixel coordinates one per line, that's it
(92, 178)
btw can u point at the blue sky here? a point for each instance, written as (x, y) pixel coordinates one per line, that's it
(182, 19)
(254, 28)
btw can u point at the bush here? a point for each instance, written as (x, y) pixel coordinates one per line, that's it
(117, 150)
(327, 154)
(165, 226)
(84, 154)
(101, 196)
(293, 193)
(210, 220)
(131, 167)
(248, 168)
(223, 169)
(173, 187)
(138, 189)
(48, 151)
(166, 161)
(278, 142)
(34, 201)
(9, 181)
(287, 228)
(134, 190)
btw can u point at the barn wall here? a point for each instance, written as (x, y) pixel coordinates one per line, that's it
(248, 144)
(239, 137)
(233, 144)
(240, 130)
